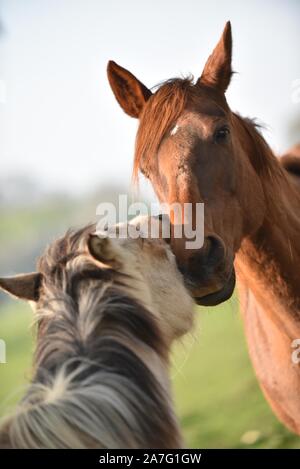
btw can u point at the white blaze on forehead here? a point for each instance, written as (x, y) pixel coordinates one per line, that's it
(175, 129)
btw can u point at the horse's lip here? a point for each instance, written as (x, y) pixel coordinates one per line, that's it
(220, 296)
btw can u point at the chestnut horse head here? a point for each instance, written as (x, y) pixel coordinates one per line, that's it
(193, 148)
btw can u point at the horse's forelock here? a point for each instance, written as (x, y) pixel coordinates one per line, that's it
(161, 112)
(63, 250)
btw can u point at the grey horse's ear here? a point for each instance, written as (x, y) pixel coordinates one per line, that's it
(25, 287)
(102, 248)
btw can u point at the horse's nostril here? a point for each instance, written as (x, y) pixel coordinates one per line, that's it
(216, 251)
(205, 262)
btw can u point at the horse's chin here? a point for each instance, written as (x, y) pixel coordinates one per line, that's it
(220, 296)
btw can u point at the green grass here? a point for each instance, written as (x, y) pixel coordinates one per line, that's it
(217, 396)
(15, 323)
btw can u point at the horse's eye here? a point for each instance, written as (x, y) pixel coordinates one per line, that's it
(221, 135)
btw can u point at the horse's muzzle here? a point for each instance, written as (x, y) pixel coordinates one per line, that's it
(209, 273)
(220, 296)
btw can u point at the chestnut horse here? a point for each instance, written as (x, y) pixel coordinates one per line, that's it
(193, 148)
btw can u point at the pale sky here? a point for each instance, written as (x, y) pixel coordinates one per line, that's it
(59, 120)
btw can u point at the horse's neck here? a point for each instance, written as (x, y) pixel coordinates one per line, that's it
(268, 270)
(268, 261)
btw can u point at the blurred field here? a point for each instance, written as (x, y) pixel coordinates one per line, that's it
(217, 396)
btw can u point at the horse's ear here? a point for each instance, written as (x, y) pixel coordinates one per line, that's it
(25, 287)
(102, 248)
(130, 93)
(217, 71)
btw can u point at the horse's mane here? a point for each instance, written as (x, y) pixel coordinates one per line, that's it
(91, 385)
(258, 151)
